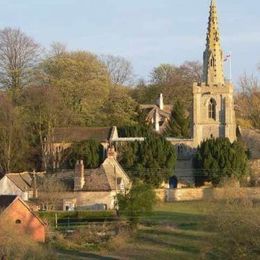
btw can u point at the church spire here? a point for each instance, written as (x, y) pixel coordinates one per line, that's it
(213, 56)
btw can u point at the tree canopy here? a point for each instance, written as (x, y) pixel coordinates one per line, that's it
(91, 152)
(139, 201)
(152, 161)
(219, 158)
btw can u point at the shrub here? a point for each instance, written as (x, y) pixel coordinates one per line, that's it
(138, 202)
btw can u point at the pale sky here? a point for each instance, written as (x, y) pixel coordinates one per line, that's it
(146, 32)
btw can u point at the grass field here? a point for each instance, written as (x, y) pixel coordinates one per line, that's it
(173, 231)
(176, 230)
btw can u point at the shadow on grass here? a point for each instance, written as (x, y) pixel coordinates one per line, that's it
(170, 244)
(174, 234)
(184, 221)
(79, 254)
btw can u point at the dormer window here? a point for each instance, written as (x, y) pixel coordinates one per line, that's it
(212, 109)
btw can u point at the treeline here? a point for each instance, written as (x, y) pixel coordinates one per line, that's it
(42, 89)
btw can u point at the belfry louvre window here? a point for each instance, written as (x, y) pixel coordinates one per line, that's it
(212, 109)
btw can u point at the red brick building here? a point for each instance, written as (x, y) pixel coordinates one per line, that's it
(15, 211)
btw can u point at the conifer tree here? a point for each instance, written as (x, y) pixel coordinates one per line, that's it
(90, 151)
(152, 161)
(217, 159)
(179, 124)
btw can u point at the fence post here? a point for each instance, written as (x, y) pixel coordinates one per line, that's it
(56, 220)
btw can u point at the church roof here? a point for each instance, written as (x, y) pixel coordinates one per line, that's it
(78, 134)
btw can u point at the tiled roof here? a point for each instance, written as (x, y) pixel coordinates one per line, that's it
(166, 108)
(78, 134)
(22, 180)
(96, 180)
(6, 200)
(104, 178)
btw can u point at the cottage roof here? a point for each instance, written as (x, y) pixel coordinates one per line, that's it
(105, 178)
(96, 180)
(78, 134)
(22, 180)
(6, 200)
(166, 108)
(150, 111)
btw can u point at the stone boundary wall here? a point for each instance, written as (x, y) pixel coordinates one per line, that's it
(190, 194)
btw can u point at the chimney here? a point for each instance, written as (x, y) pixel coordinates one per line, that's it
(160, 102)
(79, 178)
(111, 152)
(157, 121)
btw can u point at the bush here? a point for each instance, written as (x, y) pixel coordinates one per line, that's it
(76, 216)
(138, 202)
(219, 158)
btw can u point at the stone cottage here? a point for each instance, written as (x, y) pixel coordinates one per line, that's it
(94, 188)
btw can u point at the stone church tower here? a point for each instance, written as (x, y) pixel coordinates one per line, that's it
(213, 102)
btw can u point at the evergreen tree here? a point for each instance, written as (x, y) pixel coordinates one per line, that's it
(90, 151)
(152, 161)
(219, 158)
(179, 124)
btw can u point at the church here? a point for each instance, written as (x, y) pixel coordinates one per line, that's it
(213, 102)
(213, 112)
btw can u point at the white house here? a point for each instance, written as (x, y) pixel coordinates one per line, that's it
(20, 184)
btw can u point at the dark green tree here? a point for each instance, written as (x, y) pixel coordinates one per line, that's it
(135, 131)
(179, 124)
(90, 151)
(217, 159)
(152, 161)
(139, 201)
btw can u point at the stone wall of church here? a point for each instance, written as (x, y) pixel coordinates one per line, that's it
(223, 124)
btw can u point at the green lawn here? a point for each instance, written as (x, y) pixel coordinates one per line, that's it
(178, 230)
(173, 231)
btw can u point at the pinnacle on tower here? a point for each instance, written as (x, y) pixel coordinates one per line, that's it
(213, 73)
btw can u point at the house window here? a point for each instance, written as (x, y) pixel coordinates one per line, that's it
(18, 221)
(212, 109)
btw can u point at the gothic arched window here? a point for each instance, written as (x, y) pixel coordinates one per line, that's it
(212, 109)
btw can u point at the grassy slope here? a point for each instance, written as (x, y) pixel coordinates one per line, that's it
(173, 231)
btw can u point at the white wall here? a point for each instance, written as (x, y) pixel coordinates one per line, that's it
(7, 187)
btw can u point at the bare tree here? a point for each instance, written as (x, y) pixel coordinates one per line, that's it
(18, 55)
(248, 100)
(119, 69)
(51, 191)
(57, 49)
